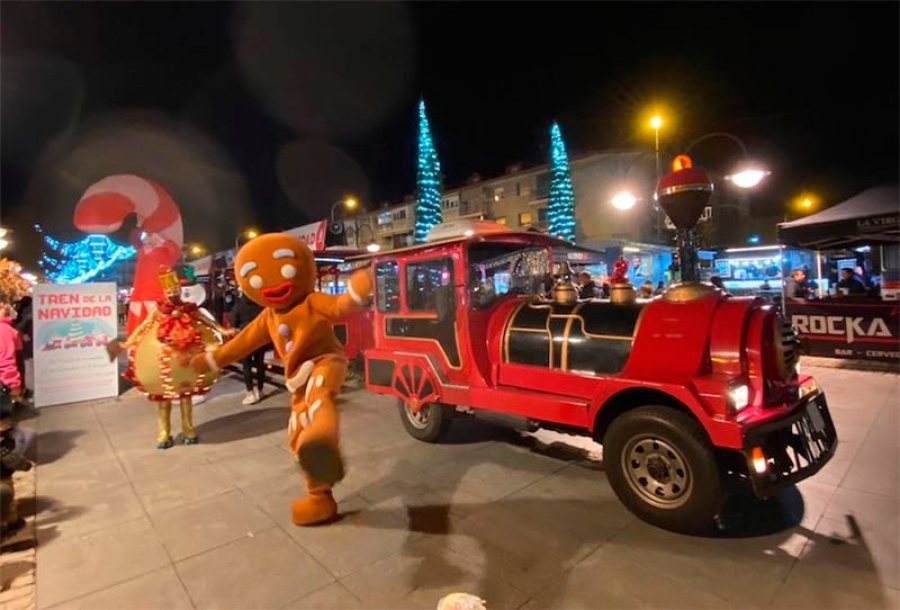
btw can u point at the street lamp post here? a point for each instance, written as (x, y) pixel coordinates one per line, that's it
(656, 122)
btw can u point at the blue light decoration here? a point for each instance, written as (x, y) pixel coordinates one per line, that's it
(80, 261)
(428, 181)
(754, 239)
(561, 209)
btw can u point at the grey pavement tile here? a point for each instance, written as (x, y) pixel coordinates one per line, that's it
(362, 536)
(173, 489)
(374, 469)
(267, 570)
(607, 580)
(198, 527)
(871, 511)
(157, 590)
(273, 495)
(876, 547)
(719, 567)
(334, 596)
(834, 471)
(493, 472)
(835, 573)
(63, 481)
(246, 468)
(70, 447)
(876, 466)
(421, 573)
(92, 562)
(148, 462)
(93, 510)
(61, 417)
(396, 493)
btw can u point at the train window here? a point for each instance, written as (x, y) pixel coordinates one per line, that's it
(387, 286)
(496, 269)
(424, 281)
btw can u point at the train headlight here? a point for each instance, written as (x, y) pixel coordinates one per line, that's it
(738, 397)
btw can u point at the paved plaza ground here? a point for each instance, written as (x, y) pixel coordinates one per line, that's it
(520, 522)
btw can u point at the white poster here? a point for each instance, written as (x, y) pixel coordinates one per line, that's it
(72, 325)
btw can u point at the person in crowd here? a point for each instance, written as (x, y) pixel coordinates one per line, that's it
(23, 323)
(850, 284)
(587, 287)
(10, 345)
(660, 288)
(646, 290)
(796, 287)
(244, 312)
(11, 460)
(765, 286)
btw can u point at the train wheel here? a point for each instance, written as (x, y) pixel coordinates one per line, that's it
(428, 423)
(662, 467)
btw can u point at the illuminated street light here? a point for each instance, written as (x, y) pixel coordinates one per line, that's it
(251, 233)
(373, 246)
(197, 249)
(624, 200)
(350, 202)
(748, 174)
(806, 203)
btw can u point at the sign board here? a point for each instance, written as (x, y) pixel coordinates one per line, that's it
(72, 325)
(313, 235)
(852, 329)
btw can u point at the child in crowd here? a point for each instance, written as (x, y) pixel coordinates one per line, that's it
(10, 345)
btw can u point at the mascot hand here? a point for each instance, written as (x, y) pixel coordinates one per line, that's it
(200, 363)
(361, 285)
(230, 332)
(113, 349)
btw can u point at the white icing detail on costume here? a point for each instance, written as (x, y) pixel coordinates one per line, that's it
(292, 423)
(211, 362)
(356, 298)
(247, 268)
(296, 382)
(256, 282)
(289, 346)
(283, 253)
(304, 420)
(320, 380)
(284, 330)
(313, 408)
(288, 272)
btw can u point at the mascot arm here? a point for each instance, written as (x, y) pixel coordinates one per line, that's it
(209, 321)
(254, 336)
(359, 289)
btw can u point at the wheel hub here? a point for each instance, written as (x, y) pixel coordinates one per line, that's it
(657, 471)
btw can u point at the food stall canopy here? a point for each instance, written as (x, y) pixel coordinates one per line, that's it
(871, 217)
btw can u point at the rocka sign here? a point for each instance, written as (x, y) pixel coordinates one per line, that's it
(869, 331)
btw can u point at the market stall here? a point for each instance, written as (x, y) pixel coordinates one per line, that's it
(856, 313)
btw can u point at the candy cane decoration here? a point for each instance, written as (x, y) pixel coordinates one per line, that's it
(158, 237)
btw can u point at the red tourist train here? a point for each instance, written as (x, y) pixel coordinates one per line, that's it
(681, 390)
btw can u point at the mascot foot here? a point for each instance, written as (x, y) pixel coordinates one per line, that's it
(190, 440)
(165, 443)
(322, 461)
(314, 508)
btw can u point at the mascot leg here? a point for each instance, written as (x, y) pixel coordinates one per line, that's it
(188, 436)
(164, 439)
(313, 435)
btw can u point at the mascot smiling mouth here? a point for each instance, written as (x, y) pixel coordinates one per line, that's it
(279, 294)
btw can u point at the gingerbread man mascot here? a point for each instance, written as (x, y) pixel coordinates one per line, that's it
(277, 271)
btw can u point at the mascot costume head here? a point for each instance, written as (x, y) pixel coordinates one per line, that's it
(158, 236)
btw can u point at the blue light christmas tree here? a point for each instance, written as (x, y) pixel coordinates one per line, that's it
(428, 181)
(561, 209)
(80, 261)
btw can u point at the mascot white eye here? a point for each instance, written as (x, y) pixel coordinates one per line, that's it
(256, 281)
(288, 271)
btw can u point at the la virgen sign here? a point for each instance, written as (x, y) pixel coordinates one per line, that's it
(72, 325)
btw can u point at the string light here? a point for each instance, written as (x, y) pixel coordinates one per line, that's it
(428, 181)
(561, 209)
(80, 261)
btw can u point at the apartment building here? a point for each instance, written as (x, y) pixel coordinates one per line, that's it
(519, 199)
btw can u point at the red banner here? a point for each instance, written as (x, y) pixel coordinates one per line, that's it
(853, 329)
(313, 235)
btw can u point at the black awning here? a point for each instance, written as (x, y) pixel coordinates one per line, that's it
(871, 217)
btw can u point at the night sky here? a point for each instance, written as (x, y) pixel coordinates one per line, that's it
(266, 113)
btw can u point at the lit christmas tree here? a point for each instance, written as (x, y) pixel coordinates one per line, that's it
(561, 210)
(428, 181)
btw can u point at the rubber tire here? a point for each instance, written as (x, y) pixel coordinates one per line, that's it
(697, 515)
(439, 420)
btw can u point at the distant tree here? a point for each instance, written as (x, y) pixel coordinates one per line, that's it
(12, 285)
(428, 181)
(561, 209)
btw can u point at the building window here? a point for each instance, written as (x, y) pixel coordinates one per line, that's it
(501, 220)
(387, 286)
(542, 188)
(400, 215)
(518, 189)
(424, 280)
(498, 193)
(525, 219)
(542, 214)
(385, 218)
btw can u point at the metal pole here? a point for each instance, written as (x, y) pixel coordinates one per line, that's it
(655, 204)
(819, 272)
